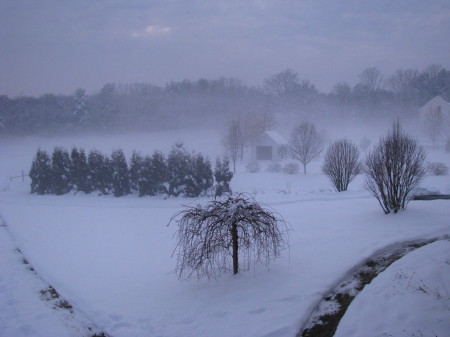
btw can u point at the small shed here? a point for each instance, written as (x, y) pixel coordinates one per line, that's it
(437, 104)
(270, 145)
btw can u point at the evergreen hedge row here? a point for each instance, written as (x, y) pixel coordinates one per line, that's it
(180, 174)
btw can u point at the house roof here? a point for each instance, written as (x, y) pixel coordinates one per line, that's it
(276, 137)
(437, 100)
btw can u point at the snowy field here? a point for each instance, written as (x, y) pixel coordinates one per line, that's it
(111, 257)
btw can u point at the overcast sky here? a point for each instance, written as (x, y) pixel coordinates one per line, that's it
(60, 45)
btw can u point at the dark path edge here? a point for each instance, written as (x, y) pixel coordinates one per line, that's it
(322, 322)
(74, 318)
(432, 197)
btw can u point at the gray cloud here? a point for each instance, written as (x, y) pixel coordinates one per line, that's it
(57, 46)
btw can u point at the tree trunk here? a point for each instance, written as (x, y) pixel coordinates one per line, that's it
(234, 238)
(304, 168)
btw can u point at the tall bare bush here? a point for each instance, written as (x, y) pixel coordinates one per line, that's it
(394, 168)
(341, 164)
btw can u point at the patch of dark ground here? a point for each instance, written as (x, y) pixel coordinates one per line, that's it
(325, 317)
(51, 296)
(432, 197)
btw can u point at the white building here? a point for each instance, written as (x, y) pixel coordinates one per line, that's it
(269, 146)
(436, 104)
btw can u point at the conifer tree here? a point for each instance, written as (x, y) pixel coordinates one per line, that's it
(154, 175)
(200, 176)
(223, 176)
(120, 174)
(99, 172)
(159, 173)
(40, 173)
(136, 166)
(79, 171)
(60, 171)
(177, 167)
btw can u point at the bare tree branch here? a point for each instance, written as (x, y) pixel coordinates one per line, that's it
(211, 237)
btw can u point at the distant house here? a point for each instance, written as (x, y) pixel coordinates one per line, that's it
(269, 146)
(437, 104)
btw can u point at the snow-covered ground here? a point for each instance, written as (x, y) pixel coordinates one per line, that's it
(410, 298)
(111, 257)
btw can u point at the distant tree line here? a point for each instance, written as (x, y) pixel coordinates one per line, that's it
(209, 102)
(180, 174)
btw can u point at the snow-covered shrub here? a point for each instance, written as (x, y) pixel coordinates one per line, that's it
(274, 167)
(253, 167)
(291, 168)
(200, 176)
(40, 173)
(223, 176)
(438, 169)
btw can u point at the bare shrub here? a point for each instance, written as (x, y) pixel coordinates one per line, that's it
(438, 169)
(341, 164)
(306, 143)
(211, 237)
(291, 168)
(394, 168)
(253, 167)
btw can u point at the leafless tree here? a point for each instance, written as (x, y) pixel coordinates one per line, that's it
(404, 84)
(283, 83)
(306, 143)
(371, 79)
(394, 168)
(211, 237)
(434, 124)
(234, 142)
(341, 164)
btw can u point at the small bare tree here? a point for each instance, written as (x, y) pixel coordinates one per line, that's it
(341, 163)
(306, 143)
(234, 142)
(394, 168)
(211, 235)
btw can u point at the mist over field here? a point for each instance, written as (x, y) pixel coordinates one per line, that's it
(119, 119)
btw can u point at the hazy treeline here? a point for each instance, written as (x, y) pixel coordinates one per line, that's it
(211, 102)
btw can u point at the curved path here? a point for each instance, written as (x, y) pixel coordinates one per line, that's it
(23, 289)
(324, 318)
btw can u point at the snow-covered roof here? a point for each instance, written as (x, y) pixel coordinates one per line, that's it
(276, 137)
(437, 100)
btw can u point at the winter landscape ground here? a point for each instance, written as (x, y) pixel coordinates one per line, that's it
(110, 258)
